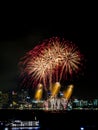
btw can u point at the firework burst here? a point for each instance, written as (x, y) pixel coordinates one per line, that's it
(49, 62)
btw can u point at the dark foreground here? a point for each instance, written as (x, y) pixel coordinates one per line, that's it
(52, 120)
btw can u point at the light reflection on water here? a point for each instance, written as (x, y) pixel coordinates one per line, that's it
(55, 120)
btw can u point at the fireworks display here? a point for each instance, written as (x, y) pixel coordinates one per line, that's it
(51, 61)
(67, 93)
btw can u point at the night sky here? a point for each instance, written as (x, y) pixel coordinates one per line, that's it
(22, 31)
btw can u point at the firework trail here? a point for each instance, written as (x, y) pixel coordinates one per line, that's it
(49, 62)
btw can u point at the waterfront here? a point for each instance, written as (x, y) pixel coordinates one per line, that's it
(54, 120)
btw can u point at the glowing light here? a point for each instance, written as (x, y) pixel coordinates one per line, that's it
(67, 93)
(55, 89)
(39, 92)
(81, 128)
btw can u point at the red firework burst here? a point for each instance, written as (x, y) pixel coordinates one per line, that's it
(50, 61)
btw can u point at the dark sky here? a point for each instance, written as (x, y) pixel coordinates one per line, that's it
(20, 32)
